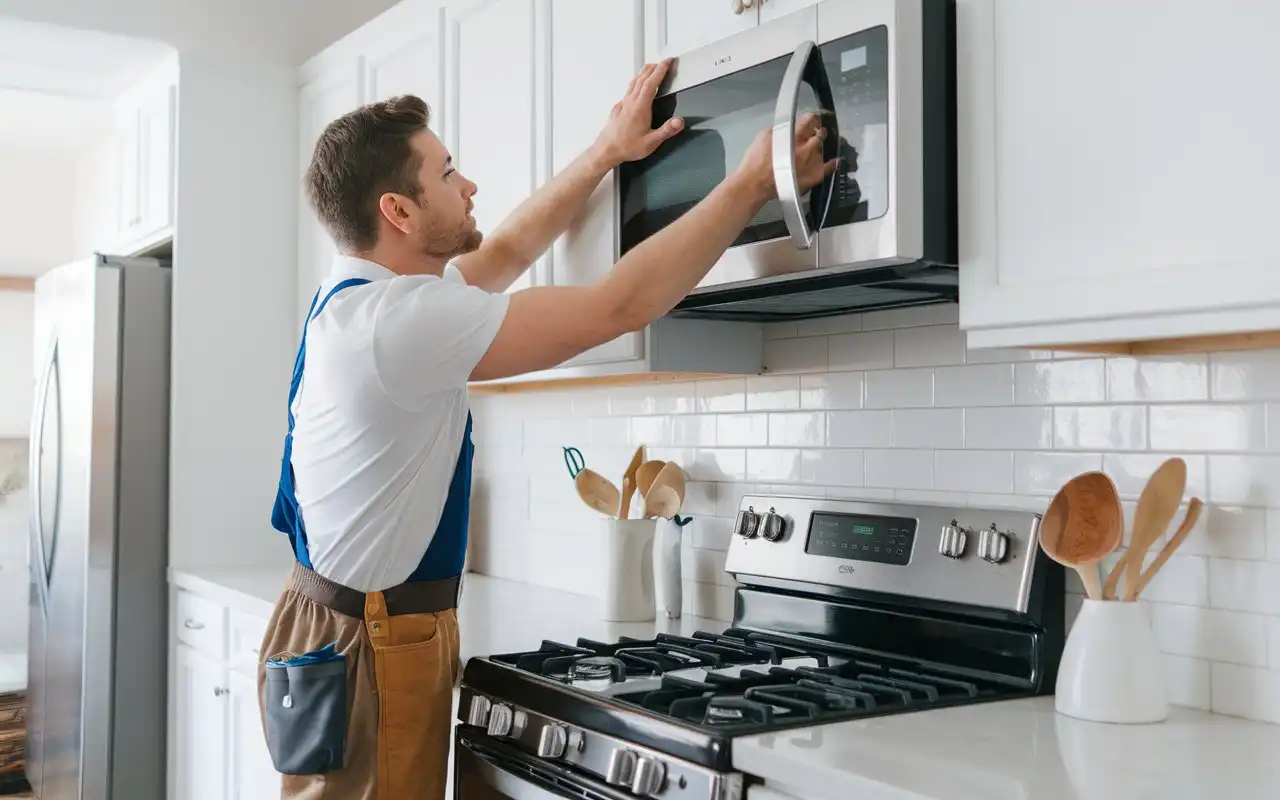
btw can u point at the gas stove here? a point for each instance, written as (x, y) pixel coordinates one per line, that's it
(845, 610)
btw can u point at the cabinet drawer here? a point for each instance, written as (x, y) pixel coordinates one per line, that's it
(246, 633)
(201, 624)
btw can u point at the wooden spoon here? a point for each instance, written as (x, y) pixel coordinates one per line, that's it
(598, 492)
(645, 475)
(629, 482)
(1083, 525)
(1157, 504)
(1188, 522)
(661, 501)
(671, 475)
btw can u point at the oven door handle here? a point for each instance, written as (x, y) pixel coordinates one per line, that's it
(806, 64)
(491, 762)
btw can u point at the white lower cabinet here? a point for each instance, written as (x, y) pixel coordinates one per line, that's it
(218, 750)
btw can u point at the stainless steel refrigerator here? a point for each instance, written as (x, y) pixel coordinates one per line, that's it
(99, 531)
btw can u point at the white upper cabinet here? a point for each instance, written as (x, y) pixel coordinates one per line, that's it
(323, 100)
(673, 27)
(580, 105)
(492, 79)
(772, 9)
(1117, 170)
(409, 60)
(146, 131)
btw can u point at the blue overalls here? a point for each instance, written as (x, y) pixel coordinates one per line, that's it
(446, 554)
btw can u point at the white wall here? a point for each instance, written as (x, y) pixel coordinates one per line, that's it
(37, 211)
(890, 405)
(233, 288)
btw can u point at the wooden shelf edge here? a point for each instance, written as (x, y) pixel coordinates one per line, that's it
(1180, 346)
(14, 283)
(635, 379)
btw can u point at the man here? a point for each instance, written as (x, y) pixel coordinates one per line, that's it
(376, 474)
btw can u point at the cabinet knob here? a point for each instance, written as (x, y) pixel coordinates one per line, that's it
(218, 691)
(192, 625)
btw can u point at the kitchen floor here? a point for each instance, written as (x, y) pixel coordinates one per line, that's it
(13, 733)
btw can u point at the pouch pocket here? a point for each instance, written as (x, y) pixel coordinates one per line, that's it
(306, 707)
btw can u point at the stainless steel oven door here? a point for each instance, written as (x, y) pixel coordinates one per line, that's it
(727, 94)
(486, 769)
(873, 51)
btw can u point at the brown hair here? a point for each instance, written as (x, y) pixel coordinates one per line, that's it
(359, 157)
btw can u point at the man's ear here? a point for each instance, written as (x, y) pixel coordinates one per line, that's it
(394, 210)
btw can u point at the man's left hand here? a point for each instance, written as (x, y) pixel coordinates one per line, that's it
(629, 134)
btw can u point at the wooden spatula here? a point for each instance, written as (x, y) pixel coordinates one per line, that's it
(629, 483)
(1157, 504)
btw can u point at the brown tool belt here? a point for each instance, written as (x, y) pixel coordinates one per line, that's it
(424, 597)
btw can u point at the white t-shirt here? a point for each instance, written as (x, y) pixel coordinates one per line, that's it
(380, 415)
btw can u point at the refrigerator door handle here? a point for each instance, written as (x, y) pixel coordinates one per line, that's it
(35, 465)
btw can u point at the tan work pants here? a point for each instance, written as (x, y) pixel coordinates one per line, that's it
(400, 672)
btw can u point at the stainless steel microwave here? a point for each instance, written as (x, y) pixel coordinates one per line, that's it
(881, 232)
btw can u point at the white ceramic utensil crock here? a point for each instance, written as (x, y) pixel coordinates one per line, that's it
(1110, 669)
(627, 591)
(667, 569)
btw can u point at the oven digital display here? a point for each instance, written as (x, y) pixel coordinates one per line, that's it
(861, 537)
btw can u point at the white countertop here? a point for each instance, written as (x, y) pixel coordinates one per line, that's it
(494, 615)
(1019, 749)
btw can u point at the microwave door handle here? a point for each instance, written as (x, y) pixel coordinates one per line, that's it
(784, 137)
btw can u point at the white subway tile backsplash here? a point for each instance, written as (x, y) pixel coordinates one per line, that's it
(1100, 428)
(1161, 379)
(981, 471)
(1246, 692)
(861, 351)
(795, 355)
(1244, 585)
(798, 429)
(831, 467)
(1018, 428)
(973, 385)
(899, 388)
(891, 407)
(1229, 636)
(831, 391)
(928, 427)
(859, 428)
(932, 346)
(1043, 382)
(722, 396)
(899, 469)
(773, 393)
(1245, 375)
(743, 430)
(1045, 473)
(1214, 428)
(776, 466)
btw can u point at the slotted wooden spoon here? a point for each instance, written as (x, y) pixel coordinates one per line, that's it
(1083, 525)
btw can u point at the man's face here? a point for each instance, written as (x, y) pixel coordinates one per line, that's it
(441, 220)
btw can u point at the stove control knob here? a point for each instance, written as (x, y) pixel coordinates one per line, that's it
(774, 526)
(748, 524)
(552, 741)
(501, 718)
(478, 713)
(953, 540)
(622, 766)
(650, 773)
(994, 545)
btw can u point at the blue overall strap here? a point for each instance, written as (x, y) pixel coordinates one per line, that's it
(448, 549)
(286, 516)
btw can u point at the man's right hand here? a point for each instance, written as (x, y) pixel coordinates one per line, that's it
(757, 165)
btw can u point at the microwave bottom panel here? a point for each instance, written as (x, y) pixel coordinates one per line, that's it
(794, 298)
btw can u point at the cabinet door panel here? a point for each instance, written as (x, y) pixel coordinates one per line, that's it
(201, 719)
(495, 138)
(772, 9)
(1115, 169)
(412, 64)
(580, 105)
(157, 129)
(322, 101)
(250, 773)
(678, 26)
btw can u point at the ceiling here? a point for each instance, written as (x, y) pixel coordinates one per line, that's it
(283, 31)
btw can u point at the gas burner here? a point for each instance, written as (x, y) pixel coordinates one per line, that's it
(596, 671)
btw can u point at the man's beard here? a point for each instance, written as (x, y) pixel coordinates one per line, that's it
(450, 244)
